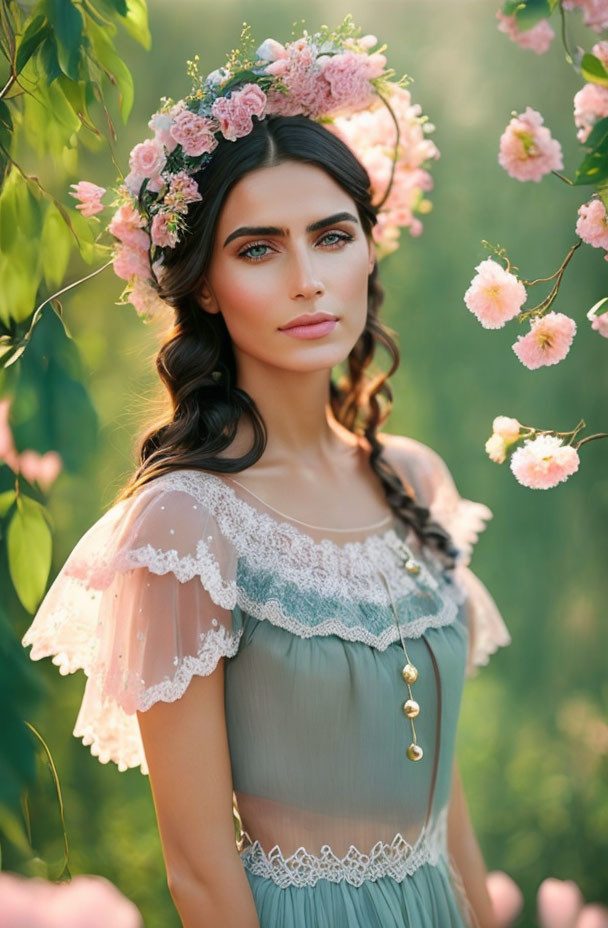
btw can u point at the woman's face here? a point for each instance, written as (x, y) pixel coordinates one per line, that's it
(261, 280)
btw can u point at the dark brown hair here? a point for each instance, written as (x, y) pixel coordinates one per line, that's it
(196, 361)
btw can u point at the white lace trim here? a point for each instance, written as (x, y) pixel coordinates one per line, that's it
(344, 571)
(396, 859)
(217, 643)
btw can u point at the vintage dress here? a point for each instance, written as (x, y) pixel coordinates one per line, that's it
(340, 828)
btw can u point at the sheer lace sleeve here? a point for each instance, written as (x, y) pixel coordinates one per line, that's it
(464, 519)
(145, 601)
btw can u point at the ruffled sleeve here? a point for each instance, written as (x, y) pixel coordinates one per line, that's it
(464, 519)
(146, 600)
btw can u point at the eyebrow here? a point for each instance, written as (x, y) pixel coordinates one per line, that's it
(275, 230)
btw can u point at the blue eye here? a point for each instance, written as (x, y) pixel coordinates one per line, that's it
(343, 238)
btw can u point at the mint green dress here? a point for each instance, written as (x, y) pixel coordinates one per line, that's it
(338, 827)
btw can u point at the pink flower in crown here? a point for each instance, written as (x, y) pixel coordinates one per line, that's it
(600, 50)
(308, 91)
(234, 113)
(547, 342)
(148, 158)
(590, 105)
(146, 300)
(183, 190)
(90, 196)
(348, 75)
(271, 50)
(196, 134)
(527, 149)
(163, 230)
(538, 38)
(134, 181)
(131, 262)
(592, 223)
(494, 295)
(127, 225)
(161, 123)
(595, 12)
(543, 462)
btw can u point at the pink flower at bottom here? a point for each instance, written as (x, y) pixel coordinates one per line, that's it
(541, 463)
(146, 300)
(494, 295)
(131, 262)
(507, 898)
(44, 468)
(90, 196)
(547, 342)
(558, 902)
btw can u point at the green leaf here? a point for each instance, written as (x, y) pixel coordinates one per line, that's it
(593, 169)
(136, 23)
(597, 133)
(593, 70)
(112, 62)
(6, 501)
(67, 22)
(55, 246)
(49, 59)
(119, 5)
(34, 33)
(29, 546)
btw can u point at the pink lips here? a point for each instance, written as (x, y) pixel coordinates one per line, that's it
(312, 330)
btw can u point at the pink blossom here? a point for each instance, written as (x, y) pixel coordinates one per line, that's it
(147, 301)
(161, 123)
(559, 901)
(600, 50)
(592, 224)
(84, 900)
(593, 915)
(8, 452)
(348, 75)
(196, 134)
(131, 262)
(543, 462)
(271, 50)
(599, 323)
(494, 295)
(548, 341)
(148, 158)
(163, 230)
(527, 150)
(538, 38)
(590, 104)
(134, 181)
(183, 190)
(496, 448)
(235, 113)
(507, 898)
(44, 468)
(89, 196)
(507, 427)
(595, 12)
(127, 225)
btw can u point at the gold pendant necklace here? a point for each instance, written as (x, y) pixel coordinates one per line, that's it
(409, 673)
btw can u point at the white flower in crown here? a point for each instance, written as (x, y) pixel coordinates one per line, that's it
(330, 76)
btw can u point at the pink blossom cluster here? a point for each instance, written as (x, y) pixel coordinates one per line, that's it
(41, 468)
(371, 135)
(544, 461)
(321, 84)
(559, 903)
(537, 39)
(89, 196)
(527, 149)
(548, 341)
(591, 101)
(595, 12)
(505, 432)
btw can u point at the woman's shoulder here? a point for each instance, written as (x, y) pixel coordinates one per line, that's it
(415, 462)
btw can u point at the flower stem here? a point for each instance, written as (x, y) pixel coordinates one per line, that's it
(544, 305)
(590, 438)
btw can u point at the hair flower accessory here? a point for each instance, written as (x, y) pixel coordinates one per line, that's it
(333, 77)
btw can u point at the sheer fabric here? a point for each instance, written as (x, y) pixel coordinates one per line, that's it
(196, 568)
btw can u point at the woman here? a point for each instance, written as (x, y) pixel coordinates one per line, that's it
(287, 648)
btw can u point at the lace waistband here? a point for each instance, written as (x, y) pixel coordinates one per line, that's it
(396, 859)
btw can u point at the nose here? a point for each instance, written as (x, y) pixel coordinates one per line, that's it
(305, 284)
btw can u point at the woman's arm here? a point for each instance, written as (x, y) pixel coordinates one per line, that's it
(186, 747)
(466, 854)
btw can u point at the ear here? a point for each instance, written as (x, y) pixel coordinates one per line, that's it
(206, 299)
(372, 255)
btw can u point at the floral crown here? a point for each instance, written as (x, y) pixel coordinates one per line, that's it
(333, 77)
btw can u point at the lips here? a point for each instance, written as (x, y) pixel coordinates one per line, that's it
(308, 319)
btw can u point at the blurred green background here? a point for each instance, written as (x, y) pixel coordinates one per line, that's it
(533, 735)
